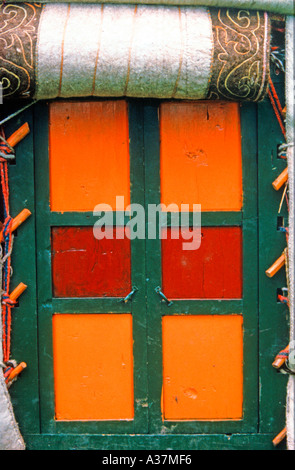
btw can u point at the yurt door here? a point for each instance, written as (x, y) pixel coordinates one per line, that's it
(147, 327)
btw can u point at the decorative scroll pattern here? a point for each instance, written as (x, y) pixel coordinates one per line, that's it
(241, 55)
(18, 36)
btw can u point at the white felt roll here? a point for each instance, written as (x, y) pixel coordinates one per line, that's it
(137, 51)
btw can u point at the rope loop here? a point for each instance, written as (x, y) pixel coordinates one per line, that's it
(4, 148)
(6, 300)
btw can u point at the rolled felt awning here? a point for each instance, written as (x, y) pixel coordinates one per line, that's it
(147, 51)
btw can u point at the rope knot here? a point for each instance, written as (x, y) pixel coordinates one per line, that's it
(4, 148)
(6, 300)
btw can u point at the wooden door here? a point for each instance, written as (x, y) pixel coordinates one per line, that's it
(137, 337)
(189, 376)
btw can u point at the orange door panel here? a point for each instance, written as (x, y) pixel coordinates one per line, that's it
(201, 155)
(89, 155)
(93, 366)
(203, 367)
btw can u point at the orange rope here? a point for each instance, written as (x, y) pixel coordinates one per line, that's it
(7, 305)
(277, 114)
(276, 96)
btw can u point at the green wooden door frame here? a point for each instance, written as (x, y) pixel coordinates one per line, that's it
(33, 395)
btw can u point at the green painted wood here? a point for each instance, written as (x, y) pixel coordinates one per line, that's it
(273, 316)
(152, 442)
(212, 219)
(25, 391)
(250, 264)
(203, 307)
(153, 265)
(138, 272)
(91, 305)
(44, 283)
(82, 219)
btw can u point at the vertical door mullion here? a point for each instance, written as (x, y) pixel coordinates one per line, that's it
(153, 265)
(138, 275)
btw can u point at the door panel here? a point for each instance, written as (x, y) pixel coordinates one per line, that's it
(93, 367)
(201, 155)
(202, 368)
(83, 266)
(213, 271)
(89, 154)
